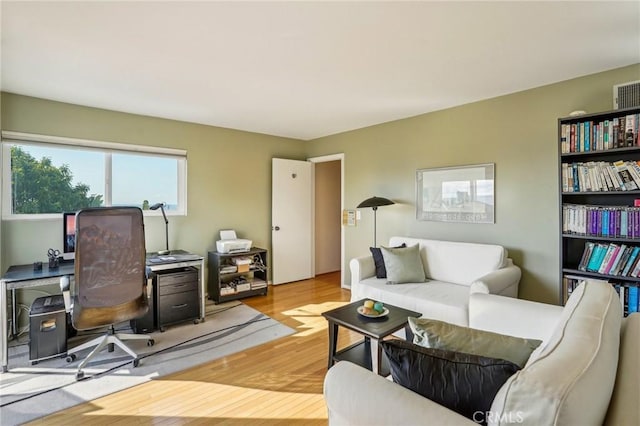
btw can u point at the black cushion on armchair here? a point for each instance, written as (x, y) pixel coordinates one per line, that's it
(464, 383)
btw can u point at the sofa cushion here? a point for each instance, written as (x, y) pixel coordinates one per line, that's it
(436, 334)
(569, 379)
(403, 264)
(464, 383)
(456, 262)
(437, 299)
(378, 260)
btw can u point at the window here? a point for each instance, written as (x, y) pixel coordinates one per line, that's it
(44, 175)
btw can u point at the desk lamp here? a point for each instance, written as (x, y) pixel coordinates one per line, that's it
(166, 227)
(374, 203)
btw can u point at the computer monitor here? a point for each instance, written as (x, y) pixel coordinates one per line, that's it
(68, 235)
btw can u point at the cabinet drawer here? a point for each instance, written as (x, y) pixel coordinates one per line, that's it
(178, 287)
(178, 307)
(177, 277)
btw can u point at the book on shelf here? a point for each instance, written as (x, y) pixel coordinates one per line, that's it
(601, 221)
(589, 136)
(599, 176)
(629, 294)
(632, 299)
(596, 258)
(630, 262)
(586, 255)
(622, 170)
(609, 258)
(618, 259)
(617, 267)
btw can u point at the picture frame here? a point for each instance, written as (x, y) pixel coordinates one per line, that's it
(456, 194)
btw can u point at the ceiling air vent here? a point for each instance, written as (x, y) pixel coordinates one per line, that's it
(626, 95)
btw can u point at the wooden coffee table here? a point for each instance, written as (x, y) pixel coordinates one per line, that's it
(373, 330)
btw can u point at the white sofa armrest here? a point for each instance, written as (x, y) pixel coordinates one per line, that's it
(502, 281)
(623, 407)
(361, 268)
(514, 317)
(356, 396)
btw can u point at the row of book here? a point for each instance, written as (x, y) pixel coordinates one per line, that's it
(597, 176)
(611, 259)
(628, 292)
(619, 132)
(601, 221)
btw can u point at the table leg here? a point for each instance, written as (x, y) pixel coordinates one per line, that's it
(4, 354)
(376, 355)
(333, 341)
(202, 292)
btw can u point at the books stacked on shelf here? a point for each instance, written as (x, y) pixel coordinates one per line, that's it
(629, 297)
(628, 292)
(611, 259)
(586, 136)
(599, 176)
(255, 284)
(601, 221)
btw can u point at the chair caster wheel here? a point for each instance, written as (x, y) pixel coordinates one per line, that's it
(71, 358)
(196, 321)
(79, 375)
(136, 362)
(151, 342)
(161, 329)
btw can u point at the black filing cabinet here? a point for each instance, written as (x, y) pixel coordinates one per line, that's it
(177, 296)
(47, 328)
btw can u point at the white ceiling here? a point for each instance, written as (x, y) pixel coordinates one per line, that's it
(304, 69)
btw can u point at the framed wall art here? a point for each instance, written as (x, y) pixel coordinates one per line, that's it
(456, 194)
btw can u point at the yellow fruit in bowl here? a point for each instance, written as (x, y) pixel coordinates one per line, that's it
(369, 311)
(369, 304)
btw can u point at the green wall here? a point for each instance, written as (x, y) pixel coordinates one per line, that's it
(229, 172)
(517, 132)
(228, 176)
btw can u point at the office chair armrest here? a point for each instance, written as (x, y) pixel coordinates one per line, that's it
(65, 287)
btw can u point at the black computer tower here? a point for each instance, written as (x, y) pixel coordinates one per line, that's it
(47, 328)
(147, 323)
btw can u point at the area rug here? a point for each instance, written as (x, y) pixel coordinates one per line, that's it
(28, 392)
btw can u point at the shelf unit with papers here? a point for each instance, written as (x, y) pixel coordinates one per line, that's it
(230, 281)
(597, 210)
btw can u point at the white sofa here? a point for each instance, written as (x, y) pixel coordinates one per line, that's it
(585, 372)
(453, 271)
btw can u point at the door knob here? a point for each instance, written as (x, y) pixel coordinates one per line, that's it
(276, 228)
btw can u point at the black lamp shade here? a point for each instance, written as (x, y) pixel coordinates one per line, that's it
(375, 202)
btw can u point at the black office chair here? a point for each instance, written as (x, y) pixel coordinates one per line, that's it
(110, 278)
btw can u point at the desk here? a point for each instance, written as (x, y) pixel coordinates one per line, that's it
(23, 276)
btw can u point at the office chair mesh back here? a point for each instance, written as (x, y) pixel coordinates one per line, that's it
(109, 267)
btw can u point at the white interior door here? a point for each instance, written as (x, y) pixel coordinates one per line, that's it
(291, 220)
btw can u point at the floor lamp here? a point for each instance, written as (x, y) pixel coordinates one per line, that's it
(374, 203)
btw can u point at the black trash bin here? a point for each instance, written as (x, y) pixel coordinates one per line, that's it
(47, 328)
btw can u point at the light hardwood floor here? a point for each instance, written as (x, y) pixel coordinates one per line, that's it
(277, 383)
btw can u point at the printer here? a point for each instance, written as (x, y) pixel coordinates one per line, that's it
(230, 243)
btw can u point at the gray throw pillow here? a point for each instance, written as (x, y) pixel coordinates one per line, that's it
(404, 265)
(430, 333)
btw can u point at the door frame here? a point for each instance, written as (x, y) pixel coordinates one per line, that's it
(323, 159)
